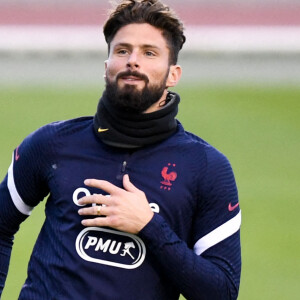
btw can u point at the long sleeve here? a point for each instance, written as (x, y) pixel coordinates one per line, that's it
(10, 220)
(209, 268)
(22, 189)
(197, 277)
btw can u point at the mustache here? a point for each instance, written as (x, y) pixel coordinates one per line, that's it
(133, 73)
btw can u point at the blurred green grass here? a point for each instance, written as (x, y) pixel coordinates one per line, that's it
(256, 127)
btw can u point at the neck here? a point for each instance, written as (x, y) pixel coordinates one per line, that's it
(159, 104)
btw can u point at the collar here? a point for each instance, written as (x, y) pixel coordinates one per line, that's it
(130, 130)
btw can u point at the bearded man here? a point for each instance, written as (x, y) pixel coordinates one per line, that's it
(138, 208)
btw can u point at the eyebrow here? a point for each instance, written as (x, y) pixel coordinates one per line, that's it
(145, 46)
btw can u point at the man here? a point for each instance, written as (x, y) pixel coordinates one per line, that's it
(137, 208)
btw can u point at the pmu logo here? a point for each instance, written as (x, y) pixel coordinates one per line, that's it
(110, 247)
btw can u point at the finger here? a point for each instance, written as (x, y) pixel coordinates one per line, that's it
(95, 222)
(95, 198)
(96, 210)
(128, 185)
(103, 185)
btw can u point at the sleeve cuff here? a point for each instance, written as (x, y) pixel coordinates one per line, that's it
(157, 233)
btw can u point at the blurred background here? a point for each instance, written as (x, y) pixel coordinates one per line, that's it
(240, 91)
(234, 41)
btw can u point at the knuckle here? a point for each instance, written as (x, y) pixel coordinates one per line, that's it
(114, 201)
(141, 194)
(115, 222)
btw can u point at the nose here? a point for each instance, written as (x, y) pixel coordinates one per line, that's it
(133, 61)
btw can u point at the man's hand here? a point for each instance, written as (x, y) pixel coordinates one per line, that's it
(126, 209)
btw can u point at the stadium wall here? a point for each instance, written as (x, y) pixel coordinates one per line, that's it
(211, 27)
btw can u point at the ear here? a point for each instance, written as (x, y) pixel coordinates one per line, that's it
(174, 75)
(105, 68)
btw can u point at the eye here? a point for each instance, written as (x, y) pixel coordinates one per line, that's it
(122, 51)
(149, 53)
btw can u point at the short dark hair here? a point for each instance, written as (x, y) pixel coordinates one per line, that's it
(152, 12)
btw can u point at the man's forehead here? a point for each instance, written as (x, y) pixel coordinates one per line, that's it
(143, 34)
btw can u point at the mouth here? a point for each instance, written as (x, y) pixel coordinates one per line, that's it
(131, 79)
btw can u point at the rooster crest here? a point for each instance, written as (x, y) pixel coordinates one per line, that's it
(168, 177)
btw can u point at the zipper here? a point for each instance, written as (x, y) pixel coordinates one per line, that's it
(124, 166)
(122, 171)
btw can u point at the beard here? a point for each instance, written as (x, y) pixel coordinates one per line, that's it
(129, 98)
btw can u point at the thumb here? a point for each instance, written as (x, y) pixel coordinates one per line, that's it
(128, 186)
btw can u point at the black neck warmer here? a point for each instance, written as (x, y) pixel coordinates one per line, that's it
(130, 130)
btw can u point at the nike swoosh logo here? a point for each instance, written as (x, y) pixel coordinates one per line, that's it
(232, 208)
(17, 156)
(102, 129)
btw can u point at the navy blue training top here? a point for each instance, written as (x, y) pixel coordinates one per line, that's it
(191, 246)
